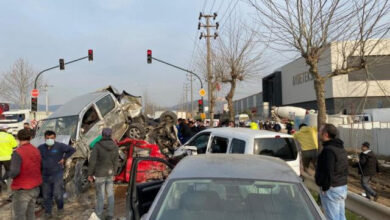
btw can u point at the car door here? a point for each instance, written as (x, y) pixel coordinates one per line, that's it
(200, 141)
(113, 115)
(148, 174)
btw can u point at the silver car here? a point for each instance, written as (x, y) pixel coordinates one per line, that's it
(221, 187)
(78, 122)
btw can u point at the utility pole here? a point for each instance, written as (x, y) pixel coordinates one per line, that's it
(210, 87)
(192, 97)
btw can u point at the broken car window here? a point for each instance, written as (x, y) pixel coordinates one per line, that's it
(105, 105)
(90, 119)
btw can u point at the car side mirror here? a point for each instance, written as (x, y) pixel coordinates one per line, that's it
(187, 150)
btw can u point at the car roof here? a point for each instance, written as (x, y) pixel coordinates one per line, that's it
(76, 105)
(237, 166)
(245, 133)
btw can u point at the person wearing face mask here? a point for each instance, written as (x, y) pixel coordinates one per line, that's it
(54, 155)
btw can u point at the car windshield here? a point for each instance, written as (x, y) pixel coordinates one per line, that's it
(231, 199)
(62, 126)
(284, 148)
(12, 118)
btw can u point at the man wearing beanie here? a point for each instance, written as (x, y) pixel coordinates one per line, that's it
(367, 166)
(102, 167)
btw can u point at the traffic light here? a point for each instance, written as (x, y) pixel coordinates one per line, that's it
(90, 55)
(62, 64)
(200, 105)
(149, 56)
(34, 104)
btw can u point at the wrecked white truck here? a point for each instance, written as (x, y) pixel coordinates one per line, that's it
(81, 120)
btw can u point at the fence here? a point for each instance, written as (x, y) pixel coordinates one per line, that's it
(376, 133)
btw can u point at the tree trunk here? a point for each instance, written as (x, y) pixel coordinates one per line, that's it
(319, 84)
(229, 99)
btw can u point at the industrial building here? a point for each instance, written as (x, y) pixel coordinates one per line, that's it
(253, 104)
(293, 85)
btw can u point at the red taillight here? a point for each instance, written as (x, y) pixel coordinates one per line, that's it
(277, 136)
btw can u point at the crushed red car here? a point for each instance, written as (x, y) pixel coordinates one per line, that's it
(130, 148)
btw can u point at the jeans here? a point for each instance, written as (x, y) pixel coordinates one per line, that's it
(333, 202)
(53, 186)
(365, 181)
(103, 185)
(23, 204)
(6, 165)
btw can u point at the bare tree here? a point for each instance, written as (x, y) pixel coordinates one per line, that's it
(237, 58)
(310, 27)
(16, 84)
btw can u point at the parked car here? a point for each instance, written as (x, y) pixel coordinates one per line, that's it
(247, 141)
(221, 187)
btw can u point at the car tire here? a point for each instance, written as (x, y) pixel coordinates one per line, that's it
(81, 177)
(168, 117)
(136, 131)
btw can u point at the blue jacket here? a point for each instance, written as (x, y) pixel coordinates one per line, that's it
(51, 157)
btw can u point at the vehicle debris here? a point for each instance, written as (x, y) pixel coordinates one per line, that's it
(81, 120)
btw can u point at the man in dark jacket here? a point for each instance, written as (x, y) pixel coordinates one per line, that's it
(367, 166)
(332, 173)
(185, 131)
(54, 154)
(103, 165)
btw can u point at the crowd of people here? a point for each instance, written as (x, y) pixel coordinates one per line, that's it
(38, 171)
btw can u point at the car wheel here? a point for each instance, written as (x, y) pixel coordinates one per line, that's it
(81, 177)
(168, 117)
(136, 131)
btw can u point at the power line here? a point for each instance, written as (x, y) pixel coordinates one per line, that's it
(231, 11)
(212, 7)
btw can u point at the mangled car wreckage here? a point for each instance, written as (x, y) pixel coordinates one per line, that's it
(81, 120)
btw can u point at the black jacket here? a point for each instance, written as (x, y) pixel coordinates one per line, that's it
(368, 164)
(332, 165)
(104, 159)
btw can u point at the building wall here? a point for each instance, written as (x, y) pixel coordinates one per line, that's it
(250, 103)
(298, 85)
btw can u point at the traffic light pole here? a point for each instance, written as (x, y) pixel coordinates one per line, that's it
(177, 67)
(54, 67)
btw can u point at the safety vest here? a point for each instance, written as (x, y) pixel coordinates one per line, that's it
(30, 175)
(7, 144)
(254, 126)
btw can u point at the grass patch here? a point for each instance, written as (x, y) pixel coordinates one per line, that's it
(348, 214)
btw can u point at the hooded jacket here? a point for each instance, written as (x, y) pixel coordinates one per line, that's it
(368, 164)
(104, 159)
(332, 165)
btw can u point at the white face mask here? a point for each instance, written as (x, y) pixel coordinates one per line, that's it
(49, 142)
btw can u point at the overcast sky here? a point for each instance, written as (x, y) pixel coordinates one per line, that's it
(119, 32)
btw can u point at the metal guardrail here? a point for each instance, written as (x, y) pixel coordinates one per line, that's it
(357, 204)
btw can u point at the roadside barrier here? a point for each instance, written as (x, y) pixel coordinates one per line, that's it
(356, 203)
